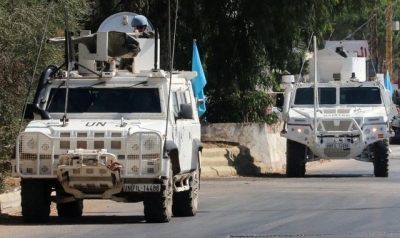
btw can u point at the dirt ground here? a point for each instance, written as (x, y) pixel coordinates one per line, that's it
(218, 144)
(11, 183)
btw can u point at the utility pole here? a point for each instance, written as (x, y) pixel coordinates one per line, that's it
(373, 37)
(389, 39)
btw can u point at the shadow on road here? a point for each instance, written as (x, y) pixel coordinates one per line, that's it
(278, 175)
(338, 175)
(16, 220)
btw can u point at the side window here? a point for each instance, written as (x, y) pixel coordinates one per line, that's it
(179, 97)
(175, 103)
(182, 98)
(187, 95)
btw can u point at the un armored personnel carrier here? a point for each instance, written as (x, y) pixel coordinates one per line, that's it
(339, 114)
(100, 132)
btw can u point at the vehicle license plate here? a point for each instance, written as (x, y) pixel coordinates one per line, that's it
(338, 145)
(142, 187)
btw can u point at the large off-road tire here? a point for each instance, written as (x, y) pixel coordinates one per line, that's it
(158, 206)
(381, 158)
(295, 159)
(393, 140)
(35, 200)
(185, 203)
(70, 209)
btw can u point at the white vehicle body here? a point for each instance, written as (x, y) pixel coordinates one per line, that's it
(344, 118)
(396, 129)
(125, 136)
(396, 118)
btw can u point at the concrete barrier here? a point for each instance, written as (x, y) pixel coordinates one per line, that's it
(10, 202)
(259, 141)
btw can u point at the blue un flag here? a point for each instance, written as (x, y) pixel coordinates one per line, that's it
(199, 81)
(388, 83)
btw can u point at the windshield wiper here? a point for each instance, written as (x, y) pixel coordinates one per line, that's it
(144, 82)
(91, 86)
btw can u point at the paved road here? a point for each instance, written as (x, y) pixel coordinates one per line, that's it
(335, 199)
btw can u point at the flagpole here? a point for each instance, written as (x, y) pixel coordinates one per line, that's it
(315, 88)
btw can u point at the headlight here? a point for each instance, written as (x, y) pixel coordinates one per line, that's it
(28, 143)
(304, 131)
(135, 147)
(149, 144)
(45, 146)
(32, 144)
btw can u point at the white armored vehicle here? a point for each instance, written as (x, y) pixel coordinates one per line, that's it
(100, 132)
(340, 114)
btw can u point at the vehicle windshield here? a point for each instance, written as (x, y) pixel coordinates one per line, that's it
(305, 96)
(348, 95)
(105, 100)
(360, 95)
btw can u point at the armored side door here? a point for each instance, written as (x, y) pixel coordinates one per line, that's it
(187, 127)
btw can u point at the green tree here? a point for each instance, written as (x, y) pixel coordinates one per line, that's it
(241, 41)
(24, 27)
(396, 41)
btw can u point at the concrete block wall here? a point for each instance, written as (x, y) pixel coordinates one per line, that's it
(263, 141)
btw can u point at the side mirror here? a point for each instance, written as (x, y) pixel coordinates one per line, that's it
(186, 111)
(31, 110)
(396, 97)
(280, 98)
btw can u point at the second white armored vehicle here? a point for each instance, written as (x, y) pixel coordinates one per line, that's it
(339, 114)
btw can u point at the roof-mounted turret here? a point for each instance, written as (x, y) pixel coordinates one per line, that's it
(338, 65)
(115, 40)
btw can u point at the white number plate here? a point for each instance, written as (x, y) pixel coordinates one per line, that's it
(142, 187)
(338, 145)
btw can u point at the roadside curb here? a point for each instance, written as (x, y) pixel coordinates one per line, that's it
(225, 162)
(10, 202)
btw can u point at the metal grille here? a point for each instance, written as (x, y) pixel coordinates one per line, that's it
(143, 154)
(335, 152)
(139, 154)
(35, 154)
(330, 126)
(341, 125)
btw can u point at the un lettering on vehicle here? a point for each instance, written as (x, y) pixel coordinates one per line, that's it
(90, 124)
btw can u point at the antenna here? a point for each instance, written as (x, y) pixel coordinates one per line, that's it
(69, 61)
(156, 49)
(170, 76)
(165, 156)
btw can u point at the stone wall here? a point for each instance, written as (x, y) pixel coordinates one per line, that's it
(263, 141)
